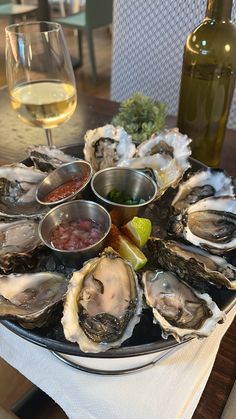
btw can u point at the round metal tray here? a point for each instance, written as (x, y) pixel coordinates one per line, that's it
(146, 338)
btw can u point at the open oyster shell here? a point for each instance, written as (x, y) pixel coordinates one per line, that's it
(210, 224)
(166, 154)
(103, 303)
(203, 184)
(192, 263)
(30, 298)
(19, 241)
(18, 185)
(47, 159)
(180, 310)
(106, 146)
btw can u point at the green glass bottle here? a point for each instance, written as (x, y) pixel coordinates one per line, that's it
(208, 80)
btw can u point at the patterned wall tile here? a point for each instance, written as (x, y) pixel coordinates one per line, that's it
(148, 42)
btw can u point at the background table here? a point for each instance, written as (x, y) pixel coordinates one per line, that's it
(92, 112)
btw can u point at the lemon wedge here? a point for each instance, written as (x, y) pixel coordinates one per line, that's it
(126, 249)
(138, 230)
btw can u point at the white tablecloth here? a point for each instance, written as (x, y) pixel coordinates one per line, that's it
(170, 389)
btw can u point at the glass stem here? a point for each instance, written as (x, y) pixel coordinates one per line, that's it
(49, 137)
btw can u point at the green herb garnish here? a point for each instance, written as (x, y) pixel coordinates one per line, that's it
(121, 198)
(141, 117)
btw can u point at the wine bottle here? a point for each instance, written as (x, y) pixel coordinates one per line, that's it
(208, 80)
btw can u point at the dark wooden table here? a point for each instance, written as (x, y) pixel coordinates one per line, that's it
(91, 113)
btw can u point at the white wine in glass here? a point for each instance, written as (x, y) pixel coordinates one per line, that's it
(40, 75)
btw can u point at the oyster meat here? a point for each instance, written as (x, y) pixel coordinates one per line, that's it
(180, 310)
(203, 184)
(166, 154)
(210, 224)
(47, 159)
(107, 146)
(192, 263)
(30, 298)
(19, 241)
(103, 303)
(18, 185)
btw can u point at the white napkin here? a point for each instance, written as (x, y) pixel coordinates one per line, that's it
(171, 389)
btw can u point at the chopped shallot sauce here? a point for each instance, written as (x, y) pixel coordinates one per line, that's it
(74, 235)
(66, 189)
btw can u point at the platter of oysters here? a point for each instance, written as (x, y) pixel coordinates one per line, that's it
(105, 307)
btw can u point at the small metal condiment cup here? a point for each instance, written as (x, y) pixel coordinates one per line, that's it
(61, 175)
(73, 211)
(133, 183)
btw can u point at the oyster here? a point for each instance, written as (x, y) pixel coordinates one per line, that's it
(180, 310)
(210, 224)
(18, 185)
(166, 154)
(19, 240)
(192, 264)
(107, 146)
(30, 298)
(47, 159)
(203, 184)
(103, 303)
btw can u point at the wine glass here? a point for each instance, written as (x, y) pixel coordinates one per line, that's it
(40, 75)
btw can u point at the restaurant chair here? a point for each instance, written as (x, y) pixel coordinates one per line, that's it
(61, 4)
(72, 5)
(12, 12)
(96, 14)
(148, 41)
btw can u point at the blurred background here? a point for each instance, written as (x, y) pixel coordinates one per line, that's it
(102, 38)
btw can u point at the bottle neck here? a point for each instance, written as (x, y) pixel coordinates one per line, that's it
(219, 10)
